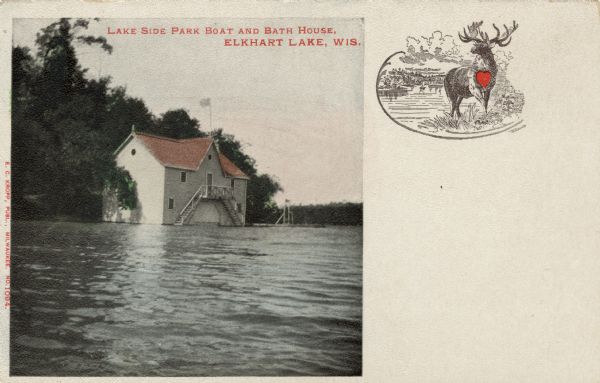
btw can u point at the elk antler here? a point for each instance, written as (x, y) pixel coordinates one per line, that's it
(473, 33)
(504, 39)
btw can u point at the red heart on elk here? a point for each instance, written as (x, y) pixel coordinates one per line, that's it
(483, 78)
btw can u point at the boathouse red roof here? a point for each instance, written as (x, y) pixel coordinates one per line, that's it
(229, 167)
(186, 153)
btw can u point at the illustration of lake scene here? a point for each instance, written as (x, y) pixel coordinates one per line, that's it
(439, 87)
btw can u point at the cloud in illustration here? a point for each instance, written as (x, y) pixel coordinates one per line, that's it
(438, 47)
(440, 51)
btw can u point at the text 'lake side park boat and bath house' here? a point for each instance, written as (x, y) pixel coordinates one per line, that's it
(178, 182)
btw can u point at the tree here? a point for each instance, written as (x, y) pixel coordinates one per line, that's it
(123, 112)
(28, 139)
(58, 116)
(61, 75)
(66, 128)
(260, 206)
(125, 188)
(345, 213)
(177, 124)
(232, 149)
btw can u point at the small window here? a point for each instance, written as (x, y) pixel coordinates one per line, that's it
(210, 156)
(171, 203)
(183, 176)
(239, 207)
(133, 152)
(232, 183)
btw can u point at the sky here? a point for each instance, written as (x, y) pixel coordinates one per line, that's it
(298, 110)
(442, 51)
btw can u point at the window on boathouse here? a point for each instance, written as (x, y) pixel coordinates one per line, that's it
(183, 176)
(171, 203)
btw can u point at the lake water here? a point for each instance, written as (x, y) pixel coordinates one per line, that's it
(412, 105)
(146, 300)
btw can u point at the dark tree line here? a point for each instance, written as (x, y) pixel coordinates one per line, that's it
(344, 213)
(65, 128)
(395, 78)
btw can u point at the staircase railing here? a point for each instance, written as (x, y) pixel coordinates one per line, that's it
(191, 201)
(230, 207)
(204, 191)
(216, 192)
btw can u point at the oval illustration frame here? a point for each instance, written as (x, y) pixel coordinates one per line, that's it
(518, 125)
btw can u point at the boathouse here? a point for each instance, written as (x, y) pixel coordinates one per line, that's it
(180, 182)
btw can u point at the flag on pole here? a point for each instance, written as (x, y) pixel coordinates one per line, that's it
(205, 102)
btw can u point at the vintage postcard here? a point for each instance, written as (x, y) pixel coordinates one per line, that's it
(300, 191)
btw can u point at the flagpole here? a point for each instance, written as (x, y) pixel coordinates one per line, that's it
(207, 102)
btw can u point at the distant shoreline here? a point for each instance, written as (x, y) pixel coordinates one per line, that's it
(321, 215)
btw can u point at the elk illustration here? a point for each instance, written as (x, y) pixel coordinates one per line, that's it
(479, 78)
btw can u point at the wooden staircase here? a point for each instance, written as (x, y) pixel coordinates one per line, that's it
(210, 193)
(231, 209)
(185, 214)
(189, 208)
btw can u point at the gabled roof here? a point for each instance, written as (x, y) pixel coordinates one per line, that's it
(186, 153)
(230, 169)
(176, 153)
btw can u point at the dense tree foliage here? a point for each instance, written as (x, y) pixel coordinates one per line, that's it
(120, 181)
(58, 156)
(344, 213)
(65, 128)
(260, 206)
(177, 124)
(123, 112)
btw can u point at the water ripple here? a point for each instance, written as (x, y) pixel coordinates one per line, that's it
(143, 300)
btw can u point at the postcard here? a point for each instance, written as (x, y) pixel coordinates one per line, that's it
(300, 191)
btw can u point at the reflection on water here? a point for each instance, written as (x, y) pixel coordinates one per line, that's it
(110, 299)
(393, 94)
(415, 104)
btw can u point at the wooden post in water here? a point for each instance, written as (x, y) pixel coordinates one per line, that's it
(286, 217)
